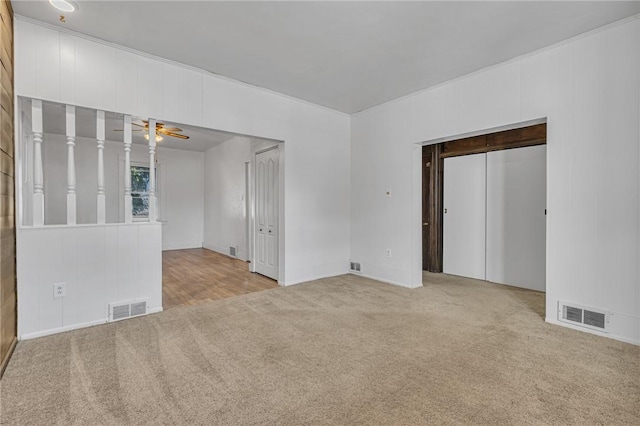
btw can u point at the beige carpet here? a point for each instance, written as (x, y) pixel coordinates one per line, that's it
(344, 350)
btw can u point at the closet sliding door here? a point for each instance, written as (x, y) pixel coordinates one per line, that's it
(464, 216)
(516, 220)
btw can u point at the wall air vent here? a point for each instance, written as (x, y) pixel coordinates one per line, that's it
(583, 316)
(122, 310)
(572, 314)
(355, 267)
(139, 308)
(232, 251)
(594, 319)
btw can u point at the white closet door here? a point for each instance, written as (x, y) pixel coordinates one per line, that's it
(266, 222)
(516, 221)
(464, 201)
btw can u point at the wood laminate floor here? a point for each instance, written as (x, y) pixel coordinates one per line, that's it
(199, 275)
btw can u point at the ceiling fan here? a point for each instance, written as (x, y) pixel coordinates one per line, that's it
(160, 130)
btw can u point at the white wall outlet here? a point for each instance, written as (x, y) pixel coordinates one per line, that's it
(59, 290)
(388, 253)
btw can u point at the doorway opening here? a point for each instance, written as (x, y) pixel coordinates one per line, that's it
(484, 207)
(219, 192)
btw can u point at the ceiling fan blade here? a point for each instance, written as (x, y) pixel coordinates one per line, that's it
(140, 125)
(172, 129)
(122, 130)
(175, 135)
(163, 130)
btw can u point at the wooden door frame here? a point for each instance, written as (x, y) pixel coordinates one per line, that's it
(432, 251)
(517, 136)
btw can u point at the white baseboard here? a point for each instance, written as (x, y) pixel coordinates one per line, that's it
(224, 250)
(387, 275)
(387, 281)
(309, 273)
(72, 327)
(625, 328)
(61, 329)
(316, 272)
(591, 331)
(181, 245)
(154, 311)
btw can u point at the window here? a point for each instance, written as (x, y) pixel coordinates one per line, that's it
(140, 192)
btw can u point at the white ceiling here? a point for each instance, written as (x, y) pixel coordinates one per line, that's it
(348, 56)
(200, 139)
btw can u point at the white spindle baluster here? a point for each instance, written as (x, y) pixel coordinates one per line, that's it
(152, 170)
(71, 165)
(128, 204)
(100, 136)
(38, 176)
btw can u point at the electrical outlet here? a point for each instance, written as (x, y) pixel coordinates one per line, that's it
(388, 253)
(59, 290)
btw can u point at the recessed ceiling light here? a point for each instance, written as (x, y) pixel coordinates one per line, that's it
(64, 5)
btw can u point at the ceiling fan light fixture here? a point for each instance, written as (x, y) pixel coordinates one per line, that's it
(158, 137)
(67, 6)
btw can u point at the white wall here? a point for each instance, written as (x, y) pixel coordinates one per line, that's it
(180, 186)
(63, 67)
(588, 88)
(181, 191)
(99, 264)
(225, 216)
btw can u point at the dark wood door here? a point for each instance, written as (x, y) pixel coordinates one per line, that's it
(426, 205)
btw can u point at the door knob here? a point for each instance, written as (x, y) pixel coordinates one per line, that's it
(269, 230)
(260, 229)
(426, 223)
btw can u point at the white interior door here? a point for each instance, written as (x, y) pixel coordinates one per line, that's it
(464, 201)
(266, 222)
(516, 220)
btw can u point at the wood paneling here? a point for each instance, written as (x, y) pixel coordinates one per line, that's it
(432, 208)
(8, 316)
(515, 138)
(194, 276)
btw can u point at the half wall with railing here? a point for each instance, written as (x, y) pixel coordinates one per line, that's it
(100, 260)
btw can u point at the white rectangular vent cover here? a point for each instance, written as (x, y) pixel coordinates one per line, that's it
(122, 310)
(232, 251)
(583, 316)
(355, 267)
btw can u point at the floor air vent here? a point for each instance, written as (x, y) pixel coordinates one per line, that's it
(123, 310)
(232, 251)
(355, 267)
(583, 316)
